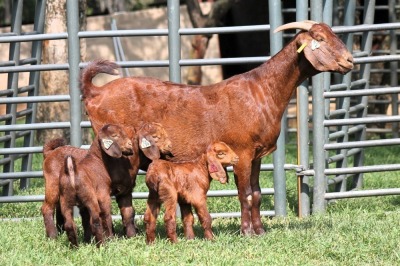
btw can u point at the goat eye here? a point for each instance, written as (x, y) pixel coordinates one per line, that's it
(221, 155)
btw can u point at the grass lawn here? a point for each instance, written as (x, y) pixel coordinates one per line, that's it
(362, 231)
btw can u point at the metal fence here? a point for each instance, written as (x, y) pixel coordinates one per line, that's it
(338, 113)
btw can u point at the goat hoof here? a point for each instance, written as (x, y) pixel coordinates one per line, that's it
(247, 231)
(52, 235)
(259, 231)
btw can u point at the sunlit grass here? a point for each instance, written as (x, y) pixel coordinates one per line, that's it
(361, 231)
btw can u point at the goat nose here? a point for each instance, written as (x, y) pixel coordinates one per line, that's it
(349, 57)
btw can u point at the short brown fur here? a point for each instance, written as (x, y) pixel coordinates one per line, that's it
(87, 183)
(244, 111)
(122, 172)
(185, 183)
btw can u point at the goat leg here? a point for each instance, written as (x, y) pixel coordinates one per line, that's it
(59, 219)
(255, 213)
(69, 225)
(89, 199)
(105, 215)
(204, 217)
(150, 216)
(48, 218)
(244, 191)
(187, 219)
(97, 228)
(255, 199)
(170, 219)
(87, 231)
(128, 214)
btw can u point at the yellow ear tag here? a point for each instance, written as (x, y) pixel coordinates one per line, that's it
(301, 48)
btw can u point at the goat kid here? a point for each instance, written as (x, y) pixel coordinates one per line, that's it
(87, 184)
(122, 172)
(185, 183)
(243, 111)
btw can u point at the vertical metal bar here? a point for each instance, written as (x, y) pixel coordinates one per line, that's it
(174, 48)
(365, 69)
(393, 67)
(318, 110)
(275, 17)
(34, 76)
(119, 51)
(302, 129)
(12, 84)
(349, 15)
(174, 44)
(327, 10)
(73, 60)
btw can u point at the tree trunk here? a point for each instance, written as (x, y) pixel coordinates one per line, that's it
(56, 82)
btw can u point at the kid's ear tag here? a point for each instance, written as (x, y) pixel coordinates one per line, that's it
(212, 168)
(315, 45)
(107, 143)
(145, 143)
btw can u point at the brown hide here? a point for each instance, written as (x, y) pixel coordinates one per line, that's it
(243, 111)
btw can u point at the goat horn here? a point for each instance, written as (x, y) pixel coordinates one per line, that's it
(303, 25)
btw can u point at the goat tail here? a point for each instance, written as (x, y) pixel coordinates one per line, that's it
(52, 145)
(70, 169)
(91, 70)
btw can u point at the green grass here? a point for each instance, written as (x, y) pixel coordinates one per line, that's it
(362, 231)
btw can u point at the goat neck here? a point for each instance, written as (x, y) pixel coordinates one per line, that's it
(95, 151)
(281, 75)
(201, 164)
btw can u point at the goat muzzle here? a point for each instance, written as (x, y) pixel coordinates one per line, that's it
(235, 160)
(347, 63)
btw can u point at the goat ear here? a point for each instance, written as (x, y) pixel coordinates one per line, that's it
(318, 55)
(148, 147)
(111, 148)
(216, 170)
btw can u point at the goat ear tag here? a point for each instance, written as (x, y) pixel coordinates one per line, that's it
(212, 168)
(301, 48)
(145, 143)
(107, 143)
(315, 45)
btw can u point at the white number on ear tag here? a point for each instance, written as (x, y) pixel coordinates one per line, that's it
(145, 143)
(107, 143)
(315, 45)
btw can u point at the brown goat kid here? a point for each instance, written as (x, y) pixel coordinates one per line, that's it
(54, 152)
(185, 183)
(122, 172)
(243, 111)
(86, 183)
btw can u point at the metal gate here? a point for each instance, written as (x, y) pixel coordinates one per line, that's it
(338, 117)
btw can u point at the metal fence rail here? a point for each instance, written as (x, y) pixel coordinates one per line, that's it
(338, 133)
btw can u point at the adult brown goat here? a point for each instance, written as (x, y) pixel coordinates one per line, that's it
(122, 172)
(243, 111)
(185, 183)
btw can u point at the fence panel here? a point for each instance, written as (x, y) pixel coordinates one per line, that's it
(339, 104)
